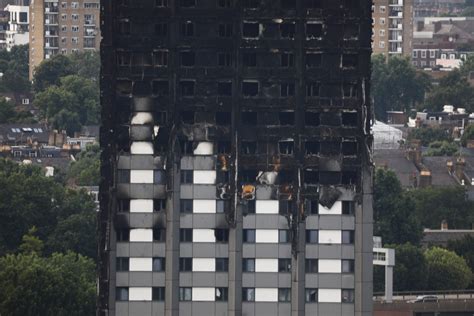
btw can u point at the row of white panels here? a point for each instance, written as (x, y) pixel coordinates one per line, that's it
(261, 236)
(209, 265)
(209, 206)
(208, 294)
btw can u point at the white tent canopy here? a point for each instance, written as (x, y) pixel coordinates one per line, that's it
(386, 136)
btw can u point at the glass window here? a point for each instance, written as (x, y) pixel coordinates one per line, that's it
(311, 265)
(284, 235)
(121, 294)
(187, 176)
(222, 294)
(221, 234)
(159, 205)
(220, 206)
(284, 265)
(284, 295)
(123, 176)
(159, 234)
(159, 264)
(248, 265)
(222, 264)
(185, 264)
(158, 294)
(185, 294)
(347, 236)
(248, 294)
(347, 296)
(249, 235)
(186, 206)
(311, 236)
(122, 264)
(186, 235)
(348, 207)
(311, 295)
(123, 235)
(347, 266)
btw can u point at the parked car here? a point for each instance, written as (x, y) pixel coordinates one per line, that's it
(424, 299)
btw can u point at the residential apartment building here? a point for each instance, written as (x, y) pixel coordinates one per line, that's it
(236, 158)
(17, 32)
(427, 8)
(62, 27)
(392, 27)
(442, 42)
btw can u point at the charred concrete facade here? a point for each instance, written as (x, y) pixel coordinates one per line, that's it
(236, 163)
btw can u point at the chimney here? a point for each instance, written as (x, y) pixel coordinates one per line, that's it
(450, 166)
(444, 225)
(425, 178)
(459, 169)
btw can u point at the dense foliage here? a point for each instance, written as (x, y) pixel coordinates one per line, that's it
(396, 85)
(67, 91)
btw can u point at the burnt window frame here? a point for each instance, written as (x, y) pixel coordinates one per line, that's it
(310, 59)
(221, 235)
(313, 89)
(249, 59)
(159, 234)
(250, 4)
(311, 36)
(123, 235)
(224, 59)
(187, 91)
(252, 94)
(287, 59)
(160, 87)
(222, 88)
(250, 145)
(246, 28)
(161, 29)
(348, 207)
(224, 4)
(186, 177)
(290, 32)
(159, 205)
(287, 89)
(160, 58)
(225, 30)
(186, 4)
(187, 58)
(162, 3)
(187, 29)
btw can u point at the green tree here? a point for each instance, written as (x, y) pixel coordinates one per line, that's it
(396, 85)
(441, 148)
(64, 218)
(453, 89)
(50, 72)
(31, 243)
(465, 248)
(394, 215)
(468, 134)
(410, 273)
(85, 171)
(7, 111)
(433, 205)
(428, 135)
(86, 65)
(468, 11)
(63, 284)
(446, 270)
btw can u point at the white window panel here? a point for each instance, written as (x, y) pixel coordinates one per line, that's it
(139, 294)
(141, 264)
(266, 207)
(266, 236)
(336, 209)
(141, 235)
(141, 206)
(266, 265)
(204, 206)
(204, 294)
(204, 149)
(204, 264)
(204, 235)
(142, 118)
(141, 148)
(266, 295)
(330, 236)
(329, 295)
(204, 176)
(329, 266)
(141, 176)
